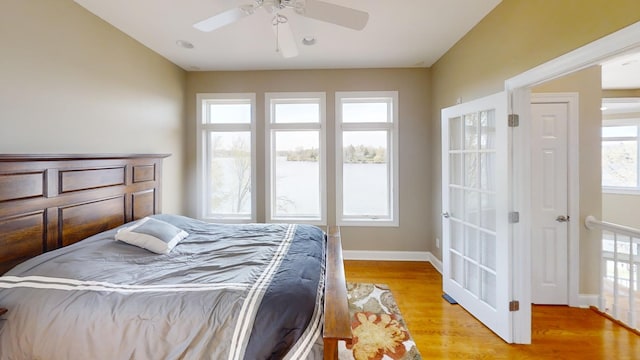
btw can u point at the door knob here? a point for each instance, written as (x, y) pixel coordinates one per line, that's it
(562, 218)
(445, 215)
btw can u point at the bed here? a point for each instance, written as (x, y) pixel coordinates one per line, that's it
(84, 294)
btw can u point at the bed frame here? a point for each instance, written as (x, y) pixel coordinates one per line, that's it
(50, 201)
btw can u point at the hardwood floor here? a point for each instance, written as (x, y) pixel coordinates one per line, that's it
(445, 331)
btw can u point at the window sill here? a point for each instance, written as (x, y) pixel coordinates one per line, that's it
(368, 223)
(621, 191)
(226, 220)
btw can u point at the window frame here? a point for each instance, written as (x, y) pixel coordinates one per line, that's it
(271, 127)
(624, 122)
(203, 129)
(392, 127)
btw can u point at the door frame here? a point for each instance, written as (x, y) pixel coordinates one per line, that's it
(518, 88)
(573, 185)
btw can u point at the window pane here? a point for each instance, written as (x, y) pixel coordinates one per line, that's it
(619, 131)
(455, 169)
(471, 131)
(472, 206)
(471, 242)
(487, 167)
(236, 113)
(472, 277)
(456, 206)
(455, 133)
(365, 174)
(487, 130)
(471, 174)
(488, 250)
(296, 174)
(456, 236)
(457, 268)
(488, 211)
(620, 163)
(488, 293)
(229, 177)
(296, 113)
(359, 112)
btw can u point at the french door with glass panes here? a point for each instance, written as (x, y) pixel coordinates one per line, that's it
(475, 225)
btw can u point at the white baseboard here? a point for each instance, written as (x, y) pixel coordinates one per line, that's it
(437, 264)
(587, 300)
(386, 255)
(393, 256)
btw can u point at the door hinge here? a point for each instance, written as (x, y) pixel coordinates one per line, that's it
(514, 305)
(514, 120)
(514, 217)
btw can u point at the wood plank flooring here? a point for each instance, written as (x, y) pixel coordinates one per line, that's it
(445, 331)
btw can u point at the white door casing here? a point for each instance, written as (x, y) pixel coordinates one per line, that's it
(475, 202)
(549, 223)
(518, 88)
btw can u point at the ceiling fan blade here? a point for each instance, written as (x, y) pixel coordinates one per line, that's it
(335, 14)
(224, 18)
(285, 41)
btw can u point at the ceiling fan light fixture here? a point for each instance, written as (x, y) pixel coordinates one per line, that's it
(279, 19)
(309, 40)
(184, 44)
(247, 9)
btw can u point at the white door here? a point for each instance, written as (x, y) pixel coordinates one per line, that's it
(549, 202)
(475, 193)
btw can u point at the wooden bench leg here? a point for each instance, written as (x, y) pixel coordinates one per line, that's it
(330, 349)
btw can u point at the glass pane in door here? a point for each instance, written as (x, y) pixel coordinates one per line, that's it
(472, 204)
(475, 200)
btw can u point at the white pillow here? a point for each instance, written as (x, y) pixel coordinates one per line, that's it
(152, 234)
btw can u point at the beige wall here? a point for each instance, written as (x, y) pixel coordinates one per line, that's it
(516, 36)
(521, 34)
(588, 84)
(71, 83)
(620, 93)
(415, 166)
(621, 209)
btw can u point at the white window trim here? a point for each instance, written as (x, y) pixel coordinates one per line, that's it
(269, 149)
(201, 130)
(393, 145)
(624, 122)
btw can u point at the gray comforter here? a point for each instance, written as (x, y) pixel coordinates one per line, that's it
(225, 292)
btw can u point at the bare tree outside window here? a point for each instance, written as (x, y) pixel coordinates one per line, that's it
(230, 176)
(242, 171)
(620, 156)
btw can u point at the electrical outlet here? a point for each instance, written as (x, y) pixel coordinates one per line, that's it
(438, 243)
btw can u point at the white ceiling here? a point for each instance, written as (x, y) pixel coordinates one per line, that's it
(408, 33)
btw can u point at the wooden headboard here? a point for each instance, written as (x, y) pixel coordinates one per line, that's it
(50, 201)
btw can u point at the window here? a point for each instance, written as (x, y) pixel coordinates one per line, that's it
(295, 159)
(620, 156)
(226, 157)
(367, 158)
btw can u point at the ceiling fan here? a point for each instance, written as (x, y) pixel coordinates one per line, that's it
(285, 41)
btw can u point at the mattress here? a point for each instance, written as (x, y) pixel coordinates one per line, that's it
(227, 291)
